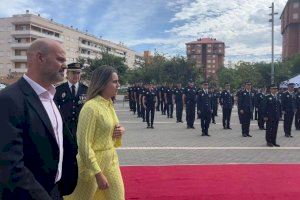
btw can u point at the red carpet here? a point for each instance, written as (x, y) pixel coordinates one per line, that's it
(213, 182)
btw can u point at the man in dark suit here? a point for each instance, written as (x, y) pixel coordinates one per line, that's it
(204, 108)
(271, 114)
(37, 152)
(245, 108)
(70, 96)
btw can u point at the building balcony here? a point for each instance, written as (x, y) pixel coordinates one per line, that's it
(35, 33)
(88, 56)
(19, 58)
(20, 70)
(20, 45)
(85, 46)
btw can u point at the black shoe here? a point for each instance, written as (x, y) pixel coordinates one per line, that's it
(269, 144)
(261, 129)
(207, 135)
(192, 127)
(203, 134)
(171, 117)
(290, 136)
(214, 122)
(152, 127)
(148, 126)
(276, 145)
(181, 121)
(177, 121)
(244, 135)
(249, 135)
(225, 128)
(188, 127)
(229, 128)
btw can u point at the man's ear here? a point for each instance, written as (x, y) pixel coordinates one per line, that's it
(39, 57)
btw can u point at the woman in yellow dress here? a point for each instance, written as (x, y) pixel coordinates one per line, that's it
(98, 134)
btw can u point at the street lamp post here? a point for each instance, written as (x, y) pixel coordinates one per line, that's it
(272, 62)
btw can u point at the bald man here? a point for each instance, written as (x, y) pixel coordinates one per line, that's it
(37, 151)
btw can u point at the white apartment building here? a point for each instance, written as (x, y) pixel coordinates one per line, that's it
(18, 31)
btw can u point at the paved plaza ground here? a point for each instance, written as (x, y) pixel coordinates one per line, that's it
(171, 143)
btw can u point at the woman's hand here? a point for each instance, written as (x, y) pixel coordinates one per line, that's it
(118, 131)
(101, 181)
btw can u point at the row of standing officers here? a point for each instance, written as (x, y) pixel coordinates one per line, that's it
(146, 100)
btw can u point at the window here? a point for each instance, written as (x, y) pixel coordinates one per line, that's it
(209, 45)
(214, 61)
(213, 71)
(295, 16)
(214, 56)
(208, 61)
(220, 45)
(209, 50)
(296, 5)
(208, 66)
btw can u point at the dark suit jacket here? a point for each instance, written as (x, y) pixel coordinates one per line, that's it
(29, 153)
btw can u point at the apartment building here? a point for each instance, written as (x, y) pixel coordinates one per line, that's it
(290, 29)
(208, 55)
(18, 31)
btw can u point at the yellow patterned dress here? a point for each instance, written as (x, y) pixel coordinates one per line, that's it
(97, 152)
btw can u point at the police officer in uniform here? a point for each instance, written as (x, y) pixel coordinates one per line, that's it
(258, 103)
(245, 108)
(143, 110)
(204, 108)
(70, 96)
(226, 101)
(288, 109)
(162, 99)
(177, 95)
(130, 94)
(189, 99)
(149, 103)
(137, 92)
(169, 100)
(297, 115)
(214, 103)
(271, 114)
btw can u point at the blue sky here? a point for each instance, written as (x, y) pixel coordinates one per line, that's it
(166, 25)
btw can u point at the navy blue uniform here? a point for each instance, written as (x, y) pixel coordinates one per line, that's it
(137, 92)
(214, 103)
(226, 101)
(150, 100)
(245, 105)
(132, 103)
(271, 112)
(289, 108)
(179, 104)
(190, 102)
(69, 104)
(157, 91)
(258, 103)
(204, 108)
(169, 102)
(143, 110)
(162, 99)
(297, 115)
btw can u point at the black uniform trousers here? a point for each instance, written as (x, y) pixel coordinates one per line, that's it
(205, 118)
(271, 131)
(179, 108)
(133, 106)
(288, 121)
(138, 106)
(158, 104)
(150, 110)
(245, 121)
(190, 113)
(170, 107)
(163, 107)
(214, 113)
(143, 112)
(226, 117)
(297, 119)
(260, 118)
